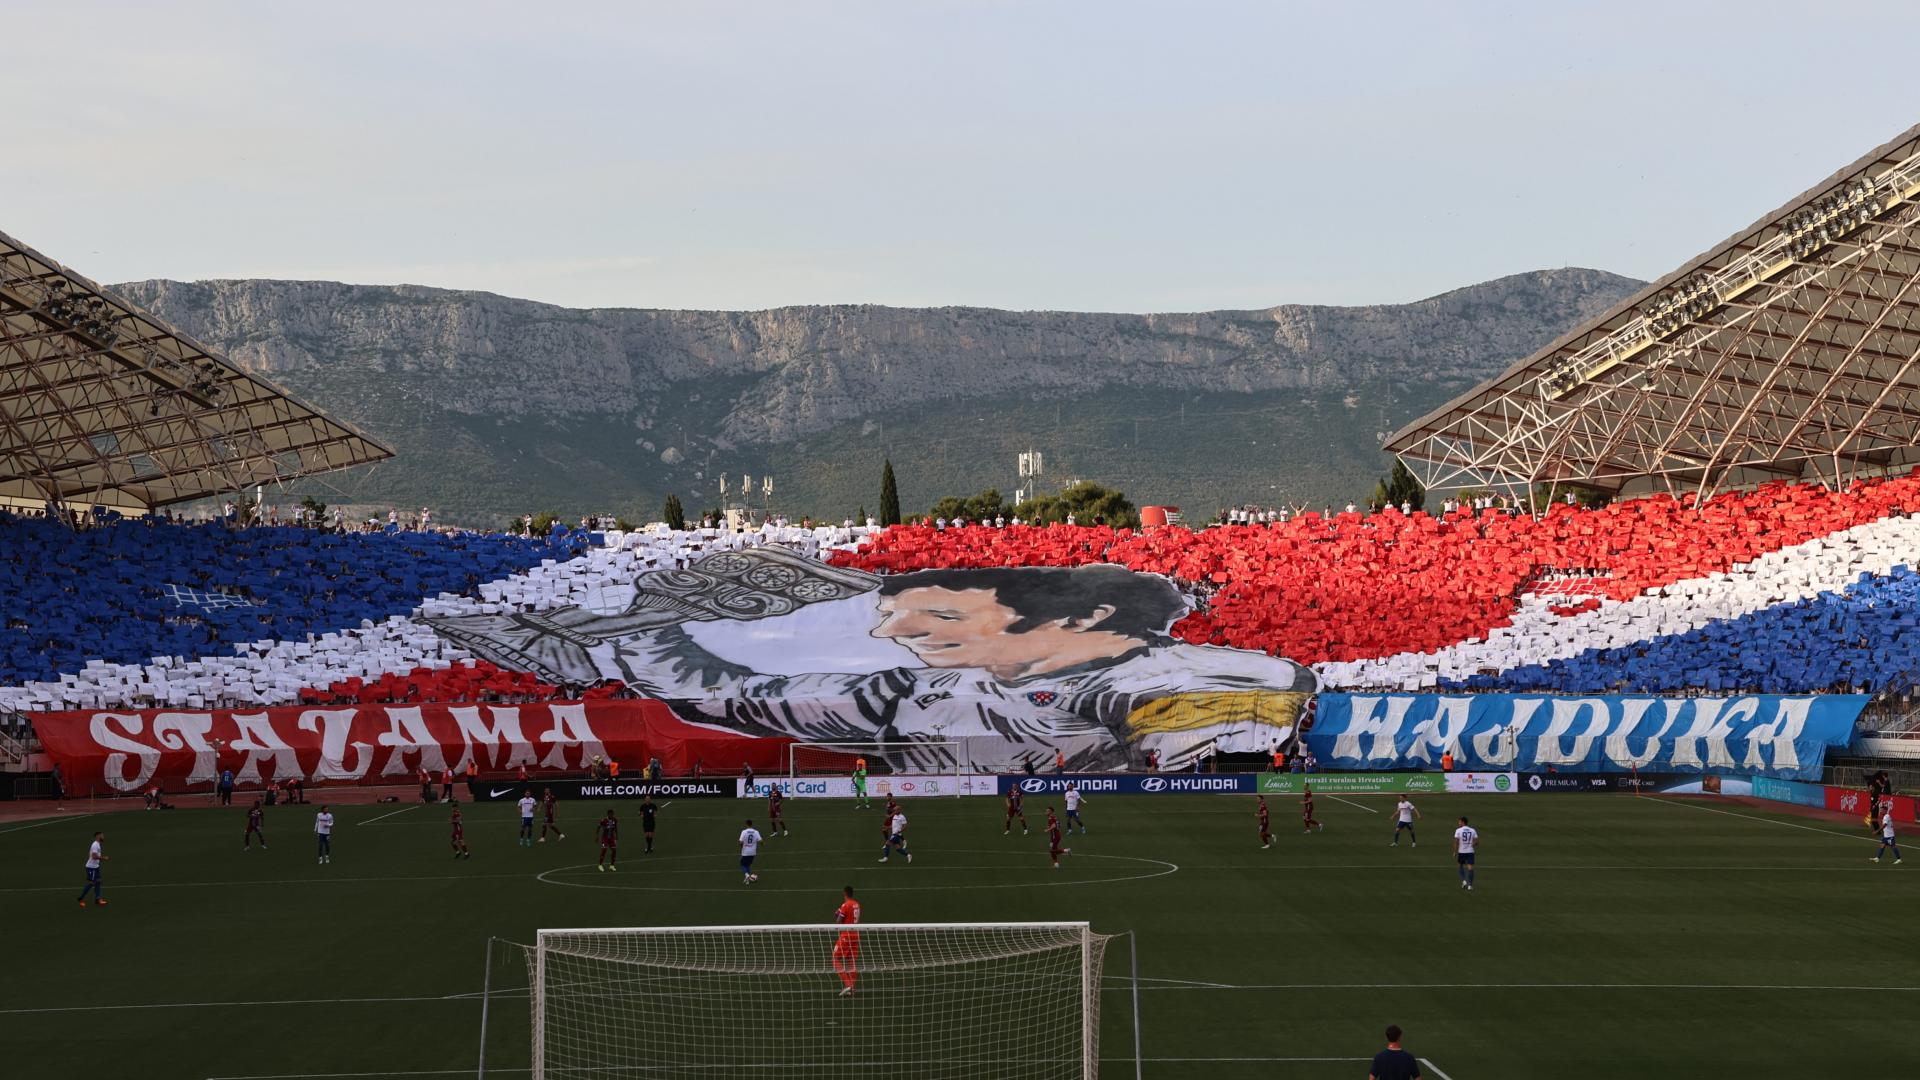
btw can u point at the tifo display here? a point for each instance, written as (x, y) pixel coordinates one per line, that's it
(995, 649)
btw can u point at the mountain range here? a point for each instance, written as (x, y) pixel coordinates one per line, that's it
(497, 406)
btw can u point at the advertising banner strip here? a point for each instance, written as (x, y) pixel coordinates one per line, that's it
(878, 787)
(1789, 791)
(483, 791)
(1482, 783)
(1763, 735)
(130, 750)
(1609, 783)
(1133, 783)
(1857, 802)
(1351, 783)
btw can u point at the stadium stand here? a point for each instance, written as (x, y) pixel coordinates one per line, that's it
(1788, 588)
(143, 615)
(133, 589)
(1680, 596)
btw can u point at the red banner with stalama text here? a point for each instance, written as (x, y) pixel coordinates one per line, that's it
(122, 751)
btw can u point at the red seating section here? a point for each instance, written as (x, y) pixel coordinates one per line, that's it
(1360, 586)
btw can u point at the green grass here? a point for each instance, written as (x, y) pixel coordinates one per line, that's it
(1608, 936)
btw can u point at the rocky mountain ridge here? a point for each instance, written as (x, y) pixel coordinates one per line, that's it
(678, 395)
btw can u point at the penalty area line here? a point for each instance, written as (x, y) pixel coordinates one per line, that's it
(385, 816)
(1762, 820)
(774, 1065)
(49, 821)
(1523, 986)
(268, 881)
(516, 992)
(138, 1006)
(1350, 802)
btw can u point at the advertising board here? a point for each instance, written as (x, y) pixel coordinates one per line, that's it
(1351, 783)
(509, 790)
(881, 787)
(1133, 783)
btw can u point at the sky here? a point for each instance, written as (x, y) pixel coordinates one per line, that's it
(1110, 155)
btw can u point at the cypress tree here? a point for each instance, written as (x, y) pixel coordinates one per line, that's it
(889, 495)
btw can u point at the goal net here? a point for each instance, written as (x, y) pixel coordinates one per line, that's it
(987, 1001)
(919, 757)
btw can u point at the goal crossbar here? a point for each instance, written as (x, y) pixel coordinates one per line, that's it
(904, 757)
(862, 927)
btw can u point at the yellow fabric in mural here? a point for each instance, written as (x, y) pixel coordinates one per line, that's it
(1191, 712)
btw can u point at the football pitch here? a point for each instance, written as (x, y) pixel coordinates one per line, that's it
(1607, 936)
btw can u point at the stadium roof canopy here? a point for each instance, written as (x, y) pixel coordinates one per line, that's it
(102, 404)
(1787, 352)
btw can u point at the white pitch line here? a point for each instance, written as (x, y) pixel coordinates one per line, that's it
(232, 1004)
(268, 881)
(1435, 1069)
(1763, 820)
(769, 1065)
(1163, 868)
(1542, 986)
(384, 817)
(49, 821)
(722, 871)
(1290, 868)
(1350, 802)
(443, 998)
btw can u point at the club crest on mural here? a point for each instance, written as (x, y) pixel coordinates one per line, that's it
(1018, 661)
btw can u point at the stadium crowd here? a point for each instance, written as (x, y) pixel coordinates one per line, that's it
(1645, 595)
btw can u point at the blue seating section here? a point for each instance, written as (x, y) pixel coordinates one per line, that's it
(107, 593)
(1867, 636)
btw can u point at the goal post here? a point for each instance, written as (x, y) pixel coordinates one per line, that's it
(918, 757)
(922, 1001)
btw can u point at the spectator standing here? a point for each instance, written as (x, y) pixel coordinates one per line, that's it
(1394, 1063)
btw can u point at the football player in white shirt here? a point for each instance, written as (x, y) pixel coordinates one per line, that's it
(1887, 842)
(94, 858)
(1465, 839)
(896, 837)
(1404, 814)
(526, 818)
(749, 847)
(1073, 798)
(323, 833)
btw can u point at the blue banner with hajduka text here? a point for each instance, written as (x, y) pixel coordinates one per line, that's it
(1760, 735)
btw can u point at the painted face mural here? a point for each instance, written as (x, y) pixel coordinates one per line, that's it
(981, 669)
